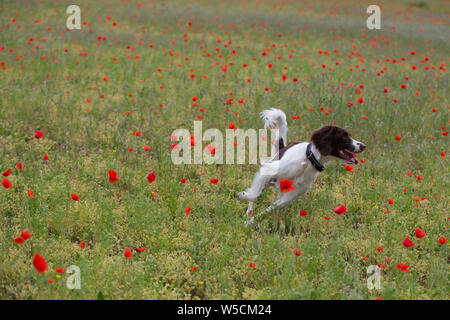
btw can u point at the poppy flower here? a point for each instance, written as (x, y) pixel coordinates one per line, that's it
(380, 249)
(183, 180)
(127, 253)
(113, 176)
(7, 173)
(75, 197)
(286, 185)
(398, 138)
(25, 234)
(232, 126)
(302, 212)
(348, 168)
(45, 157)
(151, 177)
(39, 263)
(297, 253)
(147, 148)
(38, 134)
(442, 240)
(252, 265)
(30, 194)
(403, 267)
(19, 166)
(419, 233)
(50, 280)
(391, 201)
(6, 183)
(214, 180)
(187, 210)
(59, 270)
(211, 149)
(141, 249)
(407, 242)
(82, 244)
(193, 268)
(19, 240)
(341, 209)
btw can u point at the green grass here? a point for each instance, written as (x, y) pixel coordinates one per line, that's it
(59, 93)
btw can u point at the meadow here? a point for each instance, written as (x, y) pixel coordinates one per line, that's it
(86, 118)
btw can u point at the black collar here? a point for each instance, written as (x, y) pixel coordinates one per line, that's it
(316, 164)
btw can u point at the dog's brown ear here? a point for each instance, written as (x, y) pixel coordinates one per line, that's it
(323, 138)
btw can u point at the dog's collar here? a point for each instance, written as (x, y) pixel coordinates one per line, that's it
(316, 164)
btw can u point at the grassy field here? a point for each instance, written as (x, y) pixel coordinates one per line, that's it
(136, 71)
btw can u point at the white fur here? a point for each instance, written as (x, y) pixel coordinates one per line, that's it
(275, 119)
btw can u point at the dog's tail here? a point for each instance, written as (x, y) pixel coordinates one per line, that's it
(276, 119)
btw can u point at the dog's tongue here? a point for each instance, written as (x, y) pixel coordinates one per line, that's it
(349, 157)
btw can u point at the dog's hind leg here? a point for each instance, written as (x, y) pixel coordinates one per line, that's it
(250, 209)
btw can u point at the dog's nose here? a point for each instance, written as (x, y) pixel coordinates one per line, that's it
(362, 146)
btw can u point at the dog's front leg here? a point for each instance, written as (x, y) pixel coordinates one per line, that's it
(284, 200)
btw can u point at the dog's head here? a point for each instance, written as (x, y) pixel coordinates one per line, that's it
(337, 142)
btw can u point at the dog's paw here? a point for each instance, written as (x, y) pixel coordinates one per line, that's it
(249, 222)
(241, 196)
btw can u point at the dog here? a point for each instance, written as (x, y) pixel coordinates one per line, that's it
(300, 162)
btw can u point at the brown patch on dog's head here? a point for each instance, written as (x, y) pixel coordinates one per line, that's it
(334, 141)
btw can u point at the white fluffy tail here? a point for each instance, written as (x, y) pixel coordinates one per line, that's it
(276, 119)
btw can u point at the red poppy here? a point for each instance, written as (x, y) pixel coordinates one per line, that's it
(82, 244)
(419, 233)
(183, 180)
(113, 176)
(252, 265)
(6, 183)
(442, 240)
(193, 268)
(75, 197)
(398, 138)
(211, 149)
(214, 180)
(7, 173)
(297, 253)
(39, 263)
(19, 240)
(286, 185)
(341, 209)
(407, 242)
(19, 166)
(348, 168)
(403, 267)
(59, 270)
(141, 249)
(380, 249)
(151, 177)
(45, 157)
(391, 201)
(25, 234)
(30, 194)
(187, 210)
(38, 134)
(147, 148)
(302, 212)
(128, 253)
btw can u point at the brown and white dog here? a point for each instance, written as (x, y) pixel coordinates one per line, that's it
(300, 162)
